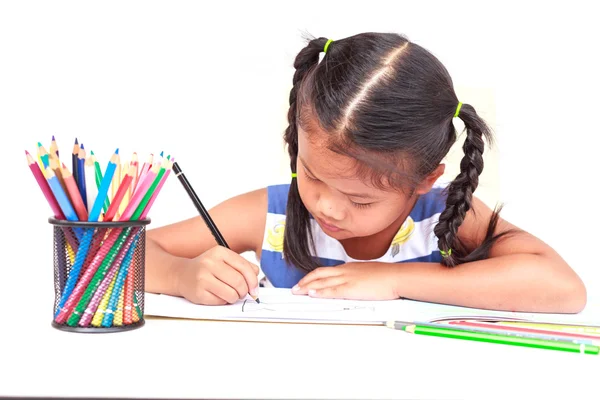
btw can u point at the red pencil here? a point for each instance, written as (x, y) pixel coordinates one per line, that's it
(522, 329)
(116, 201)
(74, 194)
(43, 183)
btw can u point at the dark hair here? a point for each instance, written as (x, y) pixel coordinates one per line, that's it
(385, 101)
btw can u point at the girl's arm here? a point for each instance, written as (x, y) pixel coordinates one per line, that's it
(522, 274)
(183, 259)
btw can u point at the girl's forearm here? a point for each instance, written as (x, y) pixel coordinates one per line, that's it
(161, 269)
(523, 282)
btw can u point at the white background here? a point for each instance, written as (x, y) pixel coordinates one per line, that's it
(209, 82)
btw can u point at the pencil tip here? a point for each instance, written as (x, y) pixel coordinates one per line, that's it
(257, 300)
(39, 144)
(82, 146)
(76, 142)
(161, 153)
(92, 152)
(53, 137)
(117, 151)
(26, 152)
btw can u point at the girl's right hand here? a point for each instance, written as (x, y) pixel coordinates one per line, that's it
(216, 277)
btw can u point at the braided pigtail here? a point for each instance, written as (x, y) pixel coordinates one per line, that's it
(460, 195)
(298, 236)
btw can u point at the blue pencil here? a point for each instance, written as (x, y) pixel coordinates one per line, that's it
(104, 187)
(81, 175)
(60, 195)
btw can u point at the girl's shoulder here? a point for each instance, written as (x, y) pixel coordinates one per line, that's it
(430, 203)
(277, 196)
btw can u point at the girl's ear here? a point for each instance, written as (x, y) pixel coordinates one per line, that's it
(427, 183)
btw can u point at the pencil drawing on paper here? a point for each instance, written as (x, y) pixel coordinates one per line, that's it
(250, 306)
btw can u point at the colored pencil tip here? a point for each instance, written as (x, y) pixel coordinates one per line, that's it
(39, 144)
(76, 142)
(92, 152)
(161, 153)
(117, 151)
(82, 146)
(26, 152)
(53, 137)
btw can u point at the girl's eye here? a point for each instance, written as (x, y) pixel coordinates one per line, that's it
(360, 205)
(310, 178)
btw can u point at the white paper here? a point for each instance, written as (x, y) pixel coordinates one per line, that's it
(281, 305)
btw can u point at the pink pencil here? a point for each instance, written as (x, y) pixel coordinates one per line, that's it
(43, 183)
(145, 168)
(157, 190)
(139, 194)
(116, 201)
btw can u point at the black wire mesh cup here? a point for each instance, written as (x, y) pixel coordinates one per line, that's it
(99, 275)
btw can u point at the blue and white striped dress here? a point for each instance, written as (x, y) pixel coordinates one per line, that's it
(414, 242)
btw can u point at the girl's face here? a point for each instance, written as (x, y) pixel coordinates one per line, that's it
(344, 206)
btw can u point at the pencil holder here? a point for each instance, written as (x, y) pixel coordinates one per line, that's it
(99, 275)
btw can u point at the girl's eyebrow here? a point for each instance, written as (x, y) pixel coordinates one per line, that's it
(360, 195)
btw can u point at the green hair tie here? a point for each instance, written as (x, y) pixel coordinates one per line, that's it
(457, 109)
(446, 254)
(294, 175)
(327, 45)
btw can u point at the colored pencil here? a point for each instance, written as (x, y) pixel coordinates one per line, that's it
(116, 201)
(60, 195)
(139, 194)
(53, 148)
(157, 191)
(43, 154)
(144, 202)
(498, 339)
(104, 187)
(508, 328)
(134, 164)
(90, 178)
(44, 186)
(590, 330)
(200, 207)
(73, 191)
(55, 165)
(116, 178)
(81, 184)
(74, 160)
(126, 196)
(99, 180)
(143, 170)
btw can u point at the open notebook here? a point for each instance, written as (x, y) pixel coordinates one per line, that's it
(280, 305)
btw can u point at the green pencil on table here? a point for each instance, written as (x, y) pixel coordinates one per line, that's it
(510, 339)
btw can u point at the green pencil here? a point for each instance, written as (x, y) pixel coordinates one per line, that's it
(499, 339)
(98, 176)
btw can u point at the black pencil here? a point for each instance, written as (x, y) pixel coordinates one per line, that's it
(203, 212)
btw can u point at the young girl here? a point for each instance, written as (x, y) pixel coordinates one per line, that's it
(363, 217)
